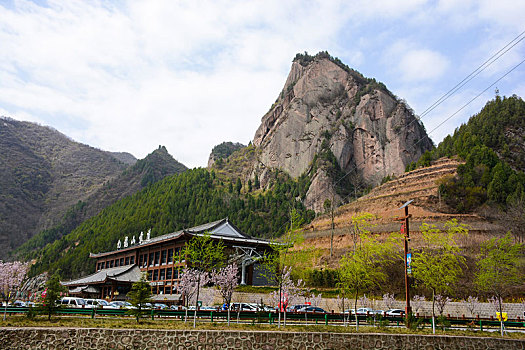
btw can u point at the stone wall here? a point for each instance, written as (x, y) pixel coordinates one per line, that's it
(90, 338)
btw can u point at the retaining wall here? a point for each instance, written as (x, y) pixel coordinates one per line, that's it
(91, 338)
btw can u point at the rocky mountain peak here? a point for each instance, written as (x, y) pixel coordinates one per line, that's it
(328, 108)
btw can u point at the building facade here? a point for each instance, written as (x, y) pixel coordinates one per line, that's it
(161, 258)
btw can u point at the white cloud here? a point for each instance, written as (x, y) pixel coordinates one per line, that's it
(421, 65)
(189, 75)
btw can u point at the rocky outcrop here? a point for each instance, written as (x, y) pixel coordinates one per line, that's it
(325, 104)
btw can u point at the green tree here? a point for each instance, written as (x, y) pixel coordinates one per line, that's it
(53, 290)
(500, 268)
(238, 186)
(203, 255)
(439, 265)
(364, 266)
(139, 295)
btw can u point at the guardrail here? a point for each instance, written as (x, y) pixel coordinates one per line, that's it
(271, 317)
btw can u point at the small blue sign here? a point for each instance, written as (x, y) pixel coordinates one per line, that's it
(409, 259)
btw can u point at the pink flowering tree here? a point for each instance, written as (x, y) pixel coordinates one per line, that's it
(472, 304)
(417, 302)
(189, 283)
(441, 303)
(203, 255)
(11, 276)
(288, 293)
(389, 300)
(226, 279)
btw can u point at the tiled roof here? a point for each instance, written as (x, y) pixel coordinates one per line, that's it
(130, 273)
(220, 229)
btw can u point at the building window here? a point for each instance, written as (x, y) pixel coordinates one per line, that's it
(162, 274)
(141, 260)
(177, 254)
(175, 274)
(157, 257)
(116, 263)
(127, 260)
(169, 272)
(167, 290)
(150, 259)
(170, 256)
(121, 261)
(132, 260)
(163, 257)
(111, 264)
(155, 275)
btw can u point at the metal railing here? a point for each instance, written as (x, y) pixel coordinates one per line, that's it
(271, 317)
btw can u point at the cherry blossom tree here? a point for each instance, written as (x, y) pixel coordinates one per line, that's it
(389, 300)
(226, 279)
(203, 255)
(472, 304)
(11, 276)
(288, 294)
(341, 304)
(417, 302)
(189, 283)
(441, 302)
(316, 299)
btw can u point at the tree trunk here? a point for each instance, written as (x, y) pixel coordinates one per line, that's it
(279, 304)
(500, 315)
(228, 303)
(196, 301)
(433, 313)
(355, 311)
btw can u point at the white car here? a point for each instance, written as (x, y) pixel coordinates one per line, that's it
(74, 302)
(395, 313)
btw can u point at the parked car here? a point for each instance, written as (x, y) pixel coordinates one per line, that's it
(295, 308)
(312, 309)
(242, 307)
(160, 306)
(260, 307)
(395, 313)
(365, 311)
(119, 304)
(73, 302)
(100, 303)
(19, 303)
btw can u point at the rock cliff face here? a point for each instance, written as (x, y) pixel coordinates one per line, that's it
(326, 105)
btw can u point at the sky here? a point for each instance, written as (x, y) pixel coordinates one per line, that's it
(132, 75)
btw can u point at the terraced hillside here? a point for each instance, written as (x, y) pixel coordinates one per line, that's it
(421, 186)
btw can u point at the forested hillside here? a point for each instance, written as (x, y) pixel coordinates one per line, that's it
(154, 167)
(42, 174)
(492, 143)
(179, 201)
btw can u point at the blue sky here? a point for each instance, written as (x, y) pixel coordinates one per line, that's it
(132, 75)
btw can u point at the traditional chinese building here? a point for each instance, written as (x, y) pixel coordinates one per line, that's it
(160, 257)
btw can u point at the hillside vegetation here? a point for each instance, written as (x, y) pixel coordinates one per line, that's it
(144, 172)
(194, 197)
(42, 174)
(492, 143)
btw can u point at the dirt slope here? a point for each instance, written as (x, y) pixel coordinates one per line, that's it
(421, 186)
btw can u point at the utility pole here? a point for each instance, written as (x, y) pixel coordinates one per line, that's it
(408, 256)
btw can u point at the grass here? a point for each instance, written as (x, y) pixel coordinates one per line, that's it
(177, 324)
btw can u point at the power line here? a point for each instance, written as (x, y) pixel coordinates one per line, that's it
(475, 73)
